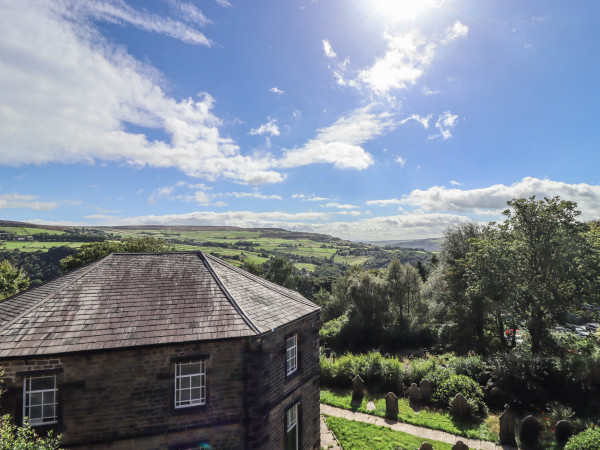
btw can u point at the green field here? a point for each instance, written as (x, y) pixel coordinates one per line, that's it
(306, 250)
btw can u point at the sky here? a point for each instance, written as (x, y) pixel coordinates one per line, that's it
(367, 120)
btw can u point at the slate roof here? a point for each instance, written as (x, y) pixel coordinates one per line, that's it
(132, 299)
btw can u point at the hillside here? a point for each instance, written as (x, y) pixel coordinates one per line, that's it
(310, 251)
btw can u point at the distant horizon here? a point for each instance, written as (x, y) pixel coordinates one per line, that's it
(381, 120)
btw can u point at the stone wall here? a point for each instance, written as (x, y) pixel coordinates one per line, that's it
(271, 391)
(127, 396)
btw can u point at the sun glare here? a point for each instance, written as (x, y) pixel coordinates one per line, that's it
(400, 10)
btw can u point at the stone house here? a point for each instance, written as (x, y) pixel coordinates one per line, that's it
(163, 350)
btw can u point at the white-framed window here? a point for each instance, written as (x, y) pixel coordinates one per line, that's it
(291, 428)
(190, 383)
(39, 400)
(291, 354)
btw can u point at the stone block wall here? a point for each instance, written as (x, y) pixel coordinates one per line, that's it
(128, 396)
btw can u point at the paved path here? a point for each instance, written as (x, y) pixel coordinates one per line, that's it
(425, 433)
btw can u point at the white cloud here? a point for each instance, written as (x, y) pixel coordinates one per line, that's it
(23, 201)
(252, 195)
(338, 205)
(417, 118)
(455, 183)
(117, 11)
(310, 198)
(386, 202)
(276, 90)
(266, 128)
(456, 31)
(68, 96)
(189, 12)
(400, 160)
(340, 143)
(223, 3)
(199, 197)
(328, 49)
(493, 199)
(445, 124)
(407, 56)
(428, 91)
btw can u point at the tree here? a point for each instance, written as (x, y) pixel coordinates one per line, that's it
(94, 251)
(466, 314)
(403, 286)
(12, 279)
(253, 267)
(539, 262)
(369, 306)
(281, 272)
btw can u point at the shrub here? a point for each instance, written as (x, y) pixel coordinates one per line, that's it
(448, 388)
(329, 333)
(471, 366)
(588, 440)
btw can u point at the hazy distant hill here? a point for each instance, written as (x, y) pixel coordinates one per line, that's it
(430, 245)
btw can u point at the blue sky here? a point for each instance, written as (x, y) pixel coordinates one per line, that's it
(368, 120)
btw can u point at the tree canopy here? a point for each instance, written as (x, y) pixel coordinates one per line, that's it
(12, 279)
(93, 251)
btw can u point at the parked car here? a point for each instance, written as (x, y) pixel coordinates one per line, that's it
(592, 326)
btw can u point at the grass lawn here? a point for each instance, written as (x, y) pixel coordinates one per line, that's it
(32, 246)
(359, 435)
(428, 417)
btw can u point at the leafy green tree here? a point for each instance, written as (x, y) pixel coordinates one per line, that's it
(369, 306)
(94, 251)
(282, 272)
(24, 437)
(253, 267)
(403, 286)
(12, 279)
(540, 262)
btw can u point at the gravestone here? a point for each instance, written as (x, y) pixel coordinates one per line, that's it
(358, 389)
(460, 445)
(563, 430)
(391, 405)
(426, 446)
(328, 353)
(495, 397)
(425, 389)
(530, 430)
(414, 394)
(507, 429)
(460, 407)
(371, 406)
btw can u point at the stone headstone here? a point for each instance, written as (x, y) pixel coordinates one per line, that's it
(425, 389)
(496, 397)
(530, 430)
(414, 394)
(391, 405)
(328, 353)
(358, 388)
(563, 430)
(371, 406)
(460, 445)
(426, 446)
(460, 407)
(507, 429)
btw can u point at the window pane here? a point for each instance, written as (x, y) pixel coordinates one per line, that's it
(195, 382)
(48, 397)
(195, 394)
(38, 384)
(35, 398)
(35, 413)
(185, 395)
(48, 411)
(190, 369)
(184, 382)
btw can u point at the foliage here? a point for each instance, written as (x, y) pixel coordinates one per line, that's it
(12, 279)
(536, 264)
(13, 437)
(330, 331)
(281, 272)
(358, 435)
(93, 251)
(428, 417)
(471, 366)
(39, 265)
(253, 268)
(448, 388)
(588, 440)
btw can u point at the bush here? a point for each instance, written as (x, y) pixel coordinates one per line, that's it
(448, 388)
(329, 334)
(588, 440)
(471, 366)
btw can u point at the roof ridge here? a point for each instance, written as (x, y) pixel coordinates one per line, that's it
(53, 293)
(235, 304)
(268, 284)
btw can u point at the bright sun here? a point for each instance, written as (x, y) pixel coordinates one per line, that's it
(400, 10)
